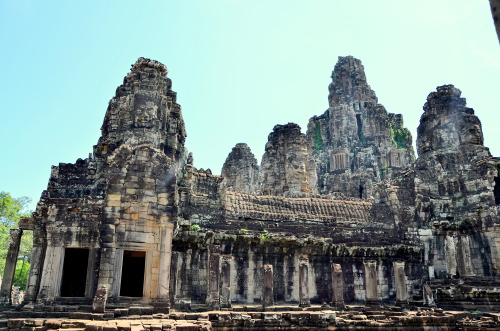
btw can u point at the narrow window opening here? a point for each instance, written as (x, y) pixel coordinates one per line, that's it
(496, 190)
(74, 275)
(132, 283)
(360, 125)
(361, 189)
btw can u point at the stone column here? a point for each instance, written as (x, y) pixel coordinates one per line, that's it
(371, 283)
(428, 296)
(225, 293)
(337, 286)
(110, 266)
(267, 291)
(464, 265)
(100, 298)
(304, 300)
(162, 302)
(37, 257)
(450, 249)
(10, 266)
(213, 297)
(50, 281)
(400, 282)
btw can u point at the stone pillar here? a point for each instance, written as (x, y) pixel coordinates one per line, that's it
(337, 286)
(428, 296)
(400, 282)
(371, 283)
(225, 292)
(10, 266)
(253, 263)
(450, 249)
(110, 267)
(50, 281)
(268, 291)
(37, 258)
(100, 298)
(162, 302)
(304, 300)
(213, 297)
(464, 265)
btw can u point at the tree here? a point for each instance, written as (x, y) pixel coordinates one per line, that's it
(11, 210)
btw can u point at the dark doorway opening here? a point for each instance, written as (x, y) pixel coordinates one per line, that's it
(496, 190)
(74, 275)
(133, 274)
(360, 126)
(361, 189)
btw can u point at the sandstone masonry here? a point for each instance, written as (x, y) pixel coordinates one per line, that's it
(341, 215)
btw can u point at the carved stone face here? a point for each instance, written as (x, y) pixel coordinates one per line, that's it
(472, 134)
(145, 115)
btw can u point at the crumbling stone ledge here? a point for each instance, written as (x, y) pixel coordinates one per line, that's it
(357, 318)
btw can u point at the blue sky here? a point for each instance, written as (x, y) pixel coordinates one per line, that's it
(239, 68)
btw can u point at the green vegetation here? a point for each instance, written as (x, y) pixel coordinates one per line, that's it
(400, 137)
(383, 171)
(264, 236)
(318, 141)
(195, 227)
(11, 210)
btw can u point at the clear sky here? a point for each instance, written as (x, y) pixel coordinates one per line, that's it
(238, 67)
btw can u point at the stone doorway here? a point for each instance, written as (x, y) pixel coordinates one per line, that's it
(74, 275)
(132, 283)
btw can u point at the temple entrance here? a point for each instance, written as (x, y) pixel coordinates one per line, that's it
(74, 275)
(132, 284)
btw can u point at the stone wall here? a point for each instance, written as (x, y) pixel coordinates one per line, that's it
(345, 206)
(247, 252)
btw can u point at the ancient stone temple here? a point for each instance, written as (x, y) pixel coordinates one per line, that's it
(343, 214)
(356, 142)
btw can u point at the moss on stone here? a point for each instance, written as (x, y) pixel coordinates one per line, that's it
(318, 140)
(399, 136)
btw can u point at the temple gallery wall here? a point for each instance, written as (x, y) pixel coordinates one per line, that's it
(341, 214)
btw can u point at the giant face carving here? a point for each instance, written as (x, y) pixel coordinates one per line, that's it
(145, 114)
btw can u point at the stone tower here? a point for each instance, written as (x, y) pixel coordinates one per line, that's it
(241, 170)
(356, 142)
(114, 211)
(457, 186)
(286, 167)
